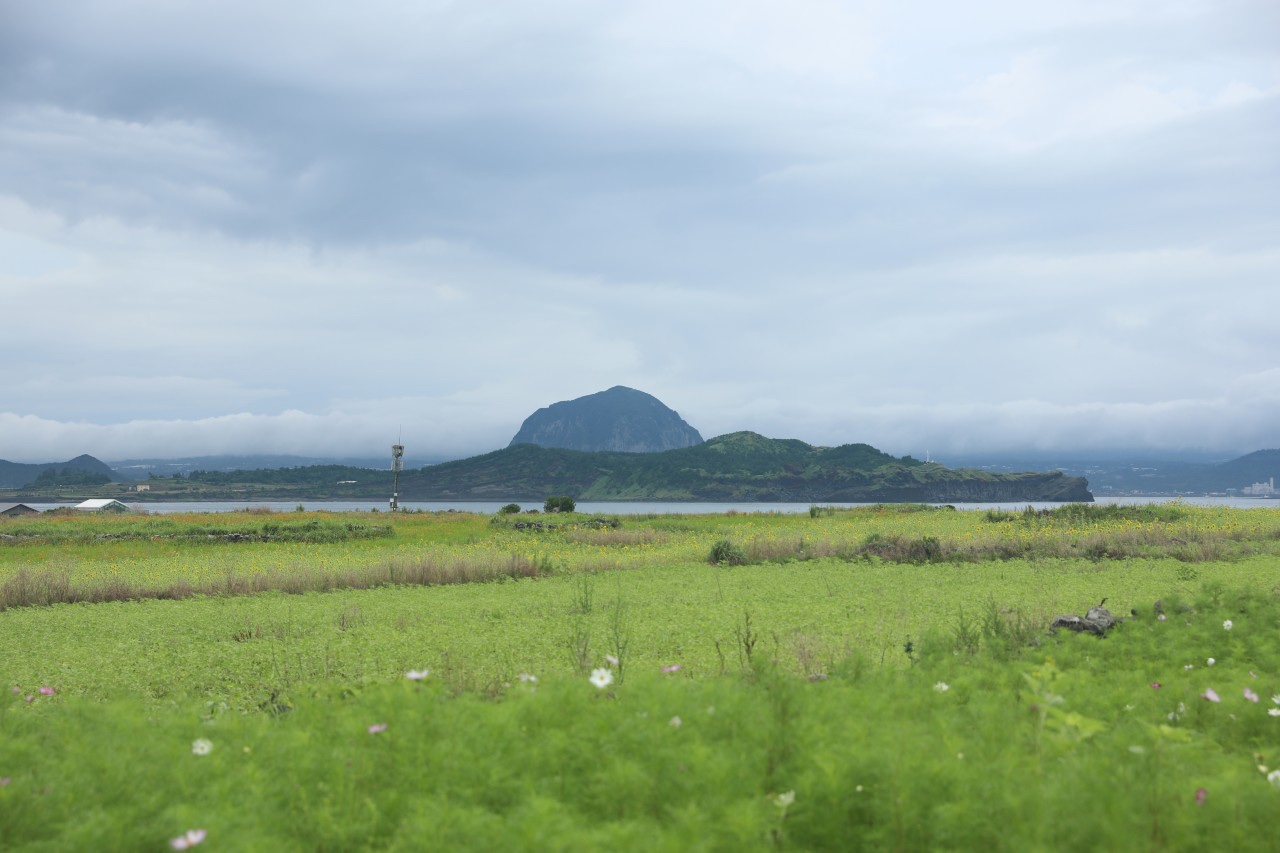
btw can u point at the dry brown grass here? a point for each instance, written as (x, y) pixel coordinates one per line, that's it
(29, 588)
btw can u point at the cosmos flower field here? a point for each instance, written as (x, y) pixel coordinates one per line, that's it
(878, 678)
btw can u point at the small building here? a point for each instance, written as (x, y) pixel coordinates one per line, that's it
(15, 510)
(142, 487)
(1260, 490)
(101, 505)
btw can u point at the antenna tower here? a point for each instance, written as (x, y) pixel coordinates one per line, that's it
(397, 465)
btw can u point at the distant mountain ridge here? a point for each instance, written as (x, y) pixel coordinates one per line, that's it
(15, 475)
(1133, 473)
(141, 469)
(619, 420)
(743, 466)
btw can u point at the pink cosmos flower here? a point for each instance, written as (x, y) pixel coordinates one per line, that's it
(188, 839)
(1210, 695)
(47, 691)
(16, 689)
(4, 781)
(377, 728)
(671, 667)
(1201, 796)
(1250, 695)
(1155, 685)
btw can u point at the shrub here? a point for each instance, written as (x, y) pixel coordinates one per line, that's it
(727, 552)
(559, 503)
(509, 509)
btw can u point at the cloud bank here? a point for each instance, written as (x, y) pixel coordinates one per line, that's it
(302, 228)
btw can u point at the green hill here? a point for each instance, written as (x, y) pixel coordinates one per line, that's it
(741, 466)
(83, 470)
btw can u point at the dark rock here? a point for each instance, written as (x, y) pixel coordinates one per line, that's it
(1098, 620)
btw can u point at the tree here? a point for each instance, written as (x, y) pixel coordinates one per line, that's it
(559, 503)
(51, 477)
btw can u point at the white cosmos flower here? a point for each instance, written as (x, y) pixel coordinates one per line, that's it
(202, 746)
(942, 687)
(188, 839)
(1274, 778)
(601, 677)
(1210, 662)
(782, 801)
(1226, 626)
(417, 675)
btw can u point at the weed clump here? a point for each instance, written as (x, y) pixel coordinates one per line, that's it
(727, 552)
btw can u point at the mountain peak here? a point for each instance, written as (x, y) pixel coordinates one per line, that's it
(620, 419)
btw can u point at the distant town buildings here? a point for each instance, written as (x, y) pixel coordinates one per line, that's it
(1260, 490)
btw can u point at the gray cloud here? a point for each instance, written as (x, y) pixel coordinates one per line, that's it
(920, 226)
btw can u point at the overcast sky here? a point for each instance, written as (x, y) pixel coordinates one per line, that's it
(302, 227)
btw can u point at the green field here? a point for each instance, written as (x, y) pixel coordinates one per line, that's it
(789, 696)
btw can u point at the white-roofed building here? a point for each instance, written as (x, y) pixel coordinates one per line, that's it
(102, 505)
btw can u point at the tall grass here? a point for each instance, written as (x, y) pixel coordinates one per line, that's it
(1073, 744)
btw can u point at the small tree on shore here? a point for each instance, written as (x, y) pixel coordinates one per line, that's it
(559, 503)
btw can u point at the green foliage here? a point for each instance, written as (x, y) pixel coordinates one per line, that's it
(51, 477)
(1074, 744)
(509, 509)
(1079, 513)
(727, 552)
(559, 503)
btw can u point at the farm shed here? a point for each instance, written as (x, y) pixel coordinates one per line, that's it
(102, 505)
(13, 510)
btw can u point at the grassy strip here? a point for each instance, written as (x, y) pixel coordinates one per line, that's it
(58, 586)
(1073, 744)
(250, 652)
(123, 558)
(54, 531)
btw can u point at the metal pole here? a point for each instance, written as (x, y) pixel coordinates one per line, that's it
(397, 464)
